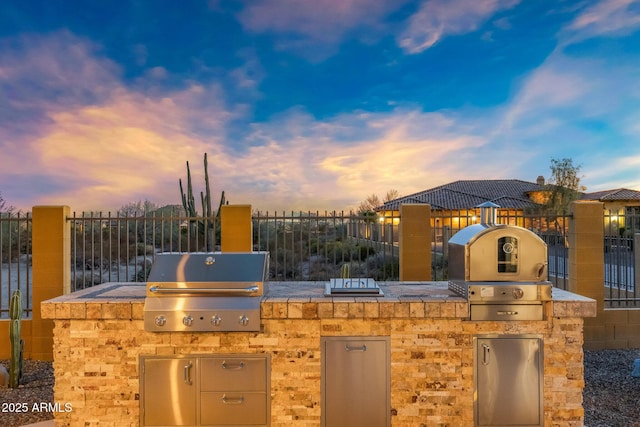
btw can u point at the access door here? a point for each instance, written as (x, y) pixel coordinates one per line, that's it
(356, 381)
(509, 381)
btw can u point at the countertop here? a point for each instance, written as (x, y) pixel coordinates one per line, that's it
(306, 300)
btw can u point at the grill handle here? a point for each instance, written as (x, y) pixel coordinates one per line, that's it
(204, 291)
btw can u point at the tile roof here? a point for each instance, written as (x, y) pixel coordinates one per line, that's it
(612, 195)
(507, 193)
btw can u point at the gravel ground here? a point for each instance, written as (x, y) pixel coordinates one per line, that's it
(35, 388)
(611, 394)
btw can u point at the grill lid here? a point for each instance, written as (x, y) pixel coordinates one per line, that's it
(209, 267)
(211, 273)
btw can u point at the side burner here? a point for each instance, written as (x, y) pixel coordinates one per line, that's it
(352, 287)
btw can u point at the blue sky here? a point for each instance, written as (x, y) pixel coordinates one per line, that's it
(305, 104)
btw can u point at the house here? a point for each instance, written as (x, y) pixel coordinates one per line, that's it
(455, 204)
(622, 210)
(461, 198)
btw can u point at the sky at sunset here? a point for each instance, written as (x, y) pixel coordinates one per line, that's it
(311, 104)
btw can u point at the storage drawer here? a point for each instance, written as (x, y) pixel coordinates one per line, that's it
(233, 374)
(506, 312)
(233, 408)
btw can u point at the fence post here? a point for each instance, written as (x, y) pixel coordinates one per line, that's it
(586, 265)
(51, 255)
(415, 242)
(236, 228)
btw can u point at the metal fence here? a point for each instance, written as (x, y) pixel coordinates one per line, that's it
(15, 259)
(302, 246)
(620, 238)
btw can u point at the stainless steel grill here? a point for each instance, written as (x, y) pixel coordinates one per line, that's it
(205, 292)
(500, 269)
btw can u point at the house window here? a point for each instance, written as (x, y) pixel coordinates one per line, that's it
(632, 214)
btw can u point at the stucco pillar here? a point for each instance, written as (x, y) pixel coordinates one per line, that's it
(51, 261)
(236, 234)
(415, 242)
(586, 265)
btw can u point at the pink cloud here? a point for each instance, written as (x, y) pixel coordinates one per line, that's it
(437, 19)
(608, 16)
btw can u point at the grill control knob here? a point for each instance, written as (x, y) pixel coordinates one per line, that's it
(518, 293)
(187, 320)
(160, 320)
(216, 320)
(244, 320)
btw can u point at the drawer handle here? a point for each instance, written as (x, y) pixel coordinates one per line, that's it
(359, 348)
(232, 367)
(232, 401)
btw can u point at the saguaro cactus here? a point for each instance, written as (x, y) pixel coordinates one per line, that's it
(15, 365)
(188, 202)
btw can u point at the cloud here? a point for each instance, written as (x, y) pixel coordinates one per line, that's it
(405, 149)
(103, 150)
(314, 29)
(109, 144)
(607, 17)
(437, 19)
(583, 107)
(75, 73)
(69, 117)
(130, 148)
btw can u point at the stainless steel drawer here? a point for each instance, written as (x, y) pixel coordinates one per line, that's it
(506, 312)
(233, 374)
(233, 408)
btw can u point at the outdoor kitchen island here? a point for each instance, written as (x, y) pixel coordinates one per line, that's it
(99, 339)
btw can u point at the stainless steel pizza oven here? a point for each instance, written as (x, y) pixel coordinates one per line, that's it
(501, 269)
(210, 291)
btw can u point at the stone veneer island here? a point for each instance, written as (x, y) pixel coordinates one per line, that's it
(99, 338)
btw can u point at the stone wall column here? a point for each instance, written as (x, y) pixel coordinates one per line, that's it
(586, 265)
(415, 242)
(236, 228)
(51, 262)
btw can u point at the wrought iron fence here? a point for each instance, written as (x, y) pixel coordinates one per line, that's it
(302, 245)
(621, 236)
(315, 246)
(15, 259)
(107, 248)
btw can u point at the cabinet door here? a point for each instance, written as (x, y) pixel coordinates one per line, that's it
(169, 392)
(509, 381)
(356, 381)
